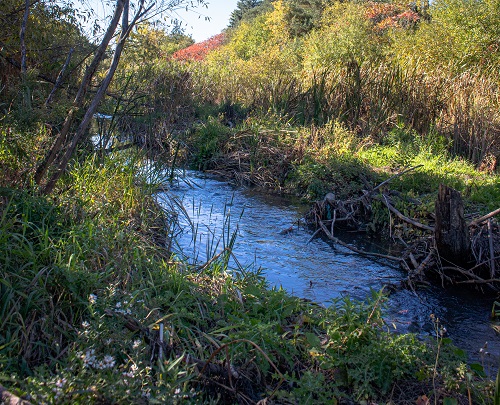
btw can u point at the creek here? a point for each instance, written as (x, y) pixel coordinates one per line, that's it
(269, 237)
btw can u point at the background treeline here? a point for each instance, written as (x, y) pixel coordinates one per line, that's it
(371, 65)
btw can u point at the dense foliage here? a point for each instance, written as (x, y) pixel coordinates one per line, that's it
(371, 65)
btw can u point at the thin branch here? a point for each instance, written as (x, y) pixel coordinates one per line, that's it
(405, 218)
(22, 35)
(18, 10)
(424, 263)
(59, 79)
(354, 249)
(394, 177)
(485, 217)
(492, 250)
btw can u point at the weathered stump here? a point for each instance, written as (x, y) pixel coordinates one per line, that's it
(451, 231)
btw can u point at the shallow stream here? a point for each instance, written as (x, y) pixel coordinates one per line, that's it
(268, 236)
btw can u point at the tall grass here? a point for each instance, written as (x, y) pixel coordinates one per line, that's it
(370, 99)
(55, 252)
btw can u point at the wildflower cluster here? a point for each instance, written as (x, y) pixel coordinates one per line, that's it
(120, 310)
(90, 360)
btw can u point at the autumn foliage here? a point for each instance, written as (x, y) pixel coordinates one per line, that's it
(389, 15)
(199, 50)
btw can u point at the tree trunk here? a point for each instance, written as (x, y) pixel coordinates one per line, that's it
(22, 35)
(79, 99)
(93, 105)
(451, 232)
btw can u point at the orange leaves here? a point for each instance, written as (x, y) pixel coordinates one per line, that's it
(200, 50)
(423, 400)
(389, 15)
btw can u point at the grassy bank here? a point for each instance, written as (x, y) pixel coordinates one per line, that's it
(87, 284)
(313, 161)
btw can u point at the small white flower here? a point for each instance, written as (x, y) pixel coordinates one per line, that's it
(108, 361)
(92, 298)
(132, 371)
(89, 359)
(61, 382)
(85, 325)
(136, 344)
(118, 305)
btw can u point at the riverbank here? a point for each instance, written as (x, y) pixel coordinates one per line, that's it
(384, 188)
(86, 291)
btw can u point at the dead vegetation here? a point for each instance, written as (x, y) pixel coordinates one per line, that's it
(475, 262)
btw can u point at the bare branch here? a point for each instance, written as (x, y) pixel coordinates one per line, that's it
(354, 249)
(395, 176)
(485, 217)
(403, 217)
(59, 79)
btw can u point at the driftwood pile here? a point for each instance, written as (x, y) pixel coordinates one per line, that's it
(457, 251)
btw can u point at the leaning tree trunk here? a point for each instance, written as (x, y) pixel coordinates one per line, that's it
(99, 55)
(451, 231)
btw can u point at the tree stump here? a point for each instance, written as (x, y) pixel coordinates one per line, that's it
(451, 231)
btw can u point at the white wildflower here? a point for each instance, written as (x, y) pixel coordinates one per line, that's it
(108, 361)
(92, 298)
(136, 344)
(61, 382)
(132, 371)
(89, 359)
(85, 325)
(118, 305)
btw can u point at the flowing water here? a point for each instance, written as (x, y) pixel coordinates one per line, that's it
(268, 236)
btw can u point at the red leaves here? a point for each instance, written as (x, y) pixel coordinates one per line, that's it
(199, 50)
(389, 15)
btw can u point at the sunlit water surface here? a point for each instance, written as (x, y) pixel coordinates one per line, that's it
(315, 269)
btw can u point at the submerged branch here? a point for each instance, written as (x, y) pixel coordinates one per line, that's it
(354, 249)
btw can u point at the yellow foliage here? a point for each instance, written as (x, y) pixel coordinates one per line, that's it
(277, 22)
(250, 38)
(345, 35)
